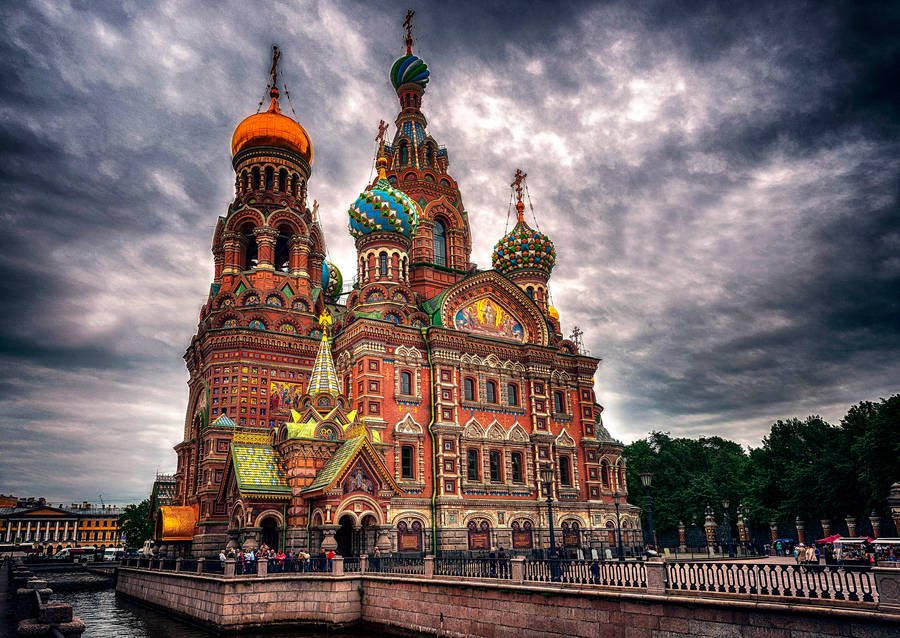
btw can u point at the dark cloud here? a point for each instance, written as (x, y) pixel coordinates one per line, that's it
(720, 180)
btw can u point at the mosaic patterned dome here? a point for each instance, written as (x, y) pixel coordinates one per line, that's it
(272, 129)
(524, 248)
(383, 207)
(409, 68)
(332, 280)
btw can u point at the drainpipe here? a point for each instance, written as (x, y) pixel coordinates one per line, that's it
(309, 527)
(433, 445)
(284, 526)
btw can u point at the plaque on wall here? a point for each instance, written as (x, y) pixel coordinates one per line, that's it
(479, 540)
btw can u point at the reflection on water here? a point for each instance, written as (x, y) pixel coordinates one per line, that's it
(109, 616)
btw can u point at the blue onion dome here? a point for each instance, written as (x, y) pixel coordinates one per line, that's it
(383, 208)
(409, 68)
(524, 248)
(332, 280)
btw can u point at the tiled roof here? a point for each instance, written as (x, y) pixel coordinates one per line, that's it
(258, 469)
(336, 464)
(223, 422)
(323, 377)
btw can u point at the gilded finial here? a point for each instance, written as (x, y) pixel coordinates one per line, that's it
(407, 24)
(517, 184)
(273, 74)
(315, 210)
(325, 319)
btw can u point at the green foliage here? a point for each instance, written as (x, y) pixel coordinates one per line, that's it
(807, 468)
(136, 524)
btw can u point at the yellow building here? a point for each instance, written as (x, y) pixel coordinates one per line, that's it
(49, 529)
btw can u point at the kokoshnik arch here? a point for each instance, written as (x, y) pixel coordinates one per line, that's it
(416, 413)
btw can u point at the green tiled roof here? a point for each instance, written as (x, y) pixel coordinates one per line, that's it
(258, 468)
(336, 463)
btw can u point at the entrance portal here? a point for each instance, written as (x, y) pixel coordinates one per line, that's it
(344, 536)
(269, 534)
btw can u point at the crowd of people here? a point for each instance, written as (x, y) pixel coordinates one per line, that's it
(278, 561)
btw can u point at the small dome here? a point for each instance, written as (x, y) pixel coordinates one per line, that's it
(332, 281)
(272, 129)
(553, 312)
(409, 68)
(524, 248)
(383, 207)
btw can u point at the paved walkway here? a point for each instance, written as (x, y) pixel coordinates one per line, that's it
(7, 627)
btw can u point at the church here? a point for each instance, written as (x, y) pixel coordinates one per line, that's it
(412, 410)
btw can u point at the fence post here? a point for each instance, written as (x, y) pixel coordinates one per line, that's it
(200, 562)
(517, 569)
(337, 566)
(363, 563)
(656, 575)
(262, 566)
(429, 567)
(887, 584)
(178, 564)
(229, 568)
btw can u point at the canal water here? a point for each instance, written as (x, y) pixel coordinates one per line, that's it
(109, 616)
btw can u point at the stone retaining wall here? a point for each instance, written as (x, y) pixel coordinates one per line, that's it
(491, 609)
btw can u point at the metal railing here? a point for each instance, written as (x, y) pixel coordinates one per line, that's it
(473, 567)
(189, 564)
(214, 566)
(168, 564)
(394, 565)
(826, 582)
(351, 564)
(587, 572)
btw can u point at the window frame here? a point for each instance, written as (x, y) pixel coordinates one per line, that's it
(495, 463)
(490, 392)
(439, 239)
(474, 395)
(473, 472)
(513, 458)
(406, 374)
(565, 479)
(409, 472)
(512, 388)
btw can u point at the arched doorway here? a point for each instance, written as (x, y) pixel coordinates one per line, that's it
(344, 536)
(369, 534)
(269, 532)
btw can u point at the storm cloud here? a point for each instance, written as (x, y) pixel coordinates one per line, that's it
(720, 181)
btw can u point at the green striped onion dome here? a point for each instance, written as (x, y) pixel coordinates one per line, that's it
(409, 68)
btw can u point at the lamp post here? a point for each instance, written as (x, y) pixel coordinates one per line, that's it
(547, 480)
(646, 478)
(745, 513)
(617, 496)
(727, 529)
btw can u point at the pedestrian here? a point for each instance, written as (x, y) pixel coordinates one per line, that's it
(595, 573)
(376, 559)
(222, 558)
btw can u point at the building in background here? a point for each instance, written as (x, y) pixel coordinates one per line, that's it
(414, 411)
(49, 528)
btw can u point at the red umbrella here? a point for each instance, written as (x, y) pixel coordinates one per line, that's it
(829, 539)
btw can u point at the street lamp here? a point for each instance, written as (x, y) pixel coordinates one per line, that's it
(547, 480)
(617, 497)
(728, 529)
(646, 478)
(748, 531)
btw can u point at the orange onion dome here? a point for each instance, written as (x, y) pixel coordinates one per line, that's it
(272, 129)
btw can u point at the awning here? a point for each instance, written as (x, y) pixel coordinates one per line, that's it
(176, 522)
(886, 541)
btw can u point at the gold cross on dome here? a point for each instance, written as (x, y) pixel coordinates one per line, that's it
(407, 24)
(382, 128)
(517, 182)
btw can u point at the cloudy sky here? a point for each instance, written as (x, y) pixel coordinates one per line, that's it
(721, 186)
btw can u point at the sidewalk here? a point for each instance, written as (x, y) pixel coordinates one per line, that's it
(7, 627)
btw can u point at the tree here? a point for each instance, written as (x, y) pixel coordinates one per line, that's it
(135, 523)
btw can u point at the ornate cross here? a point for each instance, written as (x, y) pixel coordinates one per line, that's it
(382, 127)
(407, 24)
(576, 339)
(276, 56)
(517, 182)
(324, 318)
(315, 210)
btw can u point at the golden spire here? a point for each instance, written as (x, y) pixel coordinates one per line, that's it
(381, 163)
(324, 377)
(517, 184)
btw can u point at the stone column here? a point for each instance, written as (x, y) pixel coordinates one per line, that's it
(337, 566)
(517, 568)
(773, 529)
(429, 566)
(710, 528)
(887, 584)
(218, 261)
(893, 500)
(656, 576)
(363, 563)
(231, 241)
(200, 562)
(179, 560)
(875, 519)
(384, 539)
(265, 246)
(328, 541)
(682, 539)
(851, 525)
(801, 530)
(297, 245)
(826, 527)
(262, 566)
(229, 567)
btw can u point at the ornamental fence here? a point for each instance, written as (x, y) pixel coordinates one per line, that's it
(822, 584)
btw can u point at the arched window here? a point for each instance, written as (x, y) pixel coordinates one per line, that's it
(282, 249)
(491, 389)
(406, 461)
(254, 178)
(382, 265)
(516, 462)
(604, 474)
(429, 154)
(512, 394)
(404, 154)
(294, 181)
(244, 178)
(558, 404)
(282, 180)
(565, 471)
(405, 383)
(440, 243)
(270, 178)
(469, 389)
(530, 292)
(472, 464)
(250, 248)
(495, 465)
